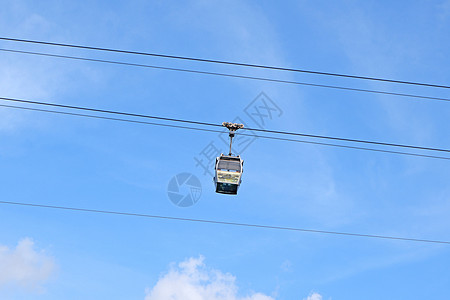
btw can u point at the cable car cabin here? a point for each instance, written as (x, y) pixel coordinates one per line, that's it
(228, 174)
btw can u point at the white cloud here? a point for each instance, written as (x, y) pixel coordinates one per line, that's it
(24, 266)
(314, 296)
(192, 280)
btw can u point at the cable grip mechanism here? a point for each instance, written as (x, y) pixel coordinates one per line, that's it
(232, 127)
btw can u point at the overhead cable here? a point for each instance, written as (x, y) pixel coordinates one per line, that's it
(218, 131)
(215, 61)
(261, 226)
(219, 125)
(227, 75)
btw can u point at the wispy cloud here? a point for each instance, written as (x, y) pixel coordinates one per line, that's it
(32, 77)
(445, 10)
(24, 266)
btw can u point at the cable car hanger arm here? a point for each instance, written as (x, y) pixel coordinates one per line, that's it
(232, 127)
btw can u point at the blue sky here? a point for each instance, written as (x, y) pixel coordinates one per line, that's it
(98, 164)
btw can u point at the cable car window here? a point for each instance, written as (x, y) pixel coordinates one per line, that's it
(227, 188)
(229, 165)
